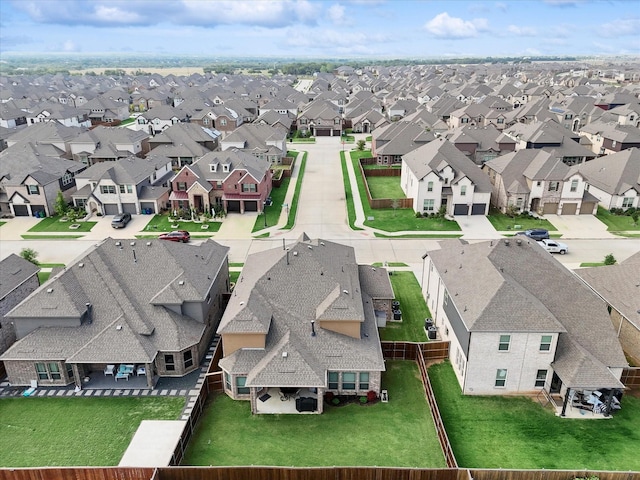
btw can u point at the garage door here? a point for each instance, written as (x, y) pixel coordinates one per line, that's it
(478, 208)
(323, 132)
(233, 206)
(250, 205)
(20, 211)
(148, 206)
(569, 209)
(550, 208)
(110, 208)
(129, 208)
(460, 209)
(587, 208)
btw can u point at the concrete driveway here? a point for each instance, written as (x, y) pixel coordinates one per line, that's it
(580, 226)
(476, 227)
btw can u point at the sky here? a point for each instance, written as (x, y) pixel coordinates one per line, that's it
(323, 29)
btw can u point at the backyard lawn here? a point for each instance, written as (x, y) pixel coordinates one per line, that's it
(414, 310)
(385, 187)
(399, 433)
(616, 223)
(75, 431)
(517, 432)
(53, 224)
(351, 211)
(502, 222)
(160, 223)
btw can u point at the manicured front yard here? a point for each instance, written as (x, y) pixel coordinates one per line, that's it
(517, 432)
(293, 208)
(161, 223)
(74, 431)
(348, 194)
(399, 433)
(413, 307)
(616, 223)
(53, 224)
(385, 187)
(502, 222)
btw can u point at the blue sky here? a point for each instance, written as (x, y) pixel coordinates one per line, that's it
(323, 29)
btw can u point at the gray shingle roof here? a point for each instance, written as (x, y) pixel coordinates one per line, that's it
(615, 173)
(14, 271)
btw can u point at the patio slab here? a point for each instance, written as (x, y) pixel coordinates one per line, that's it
(153, 443)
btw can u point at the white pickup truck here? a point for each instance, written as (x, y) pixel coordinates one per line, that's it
(553, 246)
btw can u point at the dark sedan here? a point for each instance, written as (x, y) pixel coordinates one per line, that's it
(176, 236)
(121, 220)
(535, 234)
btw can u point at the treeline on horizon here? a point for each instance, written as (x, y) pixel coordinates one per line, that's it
(115, 65)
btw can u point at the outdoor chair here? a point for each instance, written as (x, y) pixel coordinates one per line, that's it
(109, 370)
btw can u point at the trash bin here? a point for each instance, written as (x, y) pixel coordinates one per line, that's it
(397, 315)
(432, 332)
(428, 322)
(395, 305)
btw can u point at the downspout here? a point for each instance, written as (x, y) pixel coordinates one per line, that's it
(564, 403)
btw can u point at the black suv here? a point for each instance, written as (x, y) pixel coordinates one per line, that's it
(535, 234)
(121, 220)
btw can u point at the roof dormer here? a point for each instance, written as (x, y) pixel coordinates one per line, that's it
(213, 167)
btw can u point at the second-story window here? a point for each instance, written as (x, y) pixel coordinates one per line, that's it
(107, 189)
(553, 186)
(505, 341)
(429, 186)
(33, 190)
(574, 185)
(182, 186)
(126, 189)
(249, 187)
(463, 190)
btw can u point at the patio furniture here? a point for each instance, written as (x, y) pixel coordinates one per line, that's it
(125, 368)
(109, 370)
(141, 370)
(287, 393)
(122, 375)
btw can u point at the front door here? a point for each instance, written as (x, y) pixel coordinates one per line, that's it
(197, 203)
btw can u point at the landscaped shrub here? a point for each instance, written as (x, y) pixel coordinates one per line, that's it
(372, 396)
(418, 215)
(363, 400)
(335, 401)
(328, 397)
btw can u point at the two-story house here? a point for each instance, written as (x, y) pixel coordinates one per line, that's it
(262, 141)
(438, 175)
(130, 185)
(153, 305)
(390, 142)
(608, 138)
(108, 144)
(481, 144)
(320, 118)
(532, 326)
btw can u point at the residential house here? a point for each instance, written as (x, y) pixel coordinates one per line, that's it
(105, 110)
(262, 141)
(320, 118)
(481, 144)
(277, 120)
(538, 181)
(617, 285)
(184, 143)
(438, 175)
(18, 278)
(390, 142)
(151, 304)
(130, 185)
(608, 138)
(614, 179)
(313, 336)
(232, 180)
(217, 117)
(66, 115)
(157, 119)
(104, 144)
(532, 327)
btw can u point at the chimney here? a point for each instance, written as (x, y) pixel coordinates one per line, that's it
(89, 312)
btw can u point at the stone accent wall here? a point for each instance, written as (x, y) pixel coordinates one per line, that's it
(7, 330)
(629, 335)
(22, 373)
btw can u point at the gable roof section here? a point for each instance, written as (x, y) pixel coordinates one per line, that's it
(614, 174)
(14, 271)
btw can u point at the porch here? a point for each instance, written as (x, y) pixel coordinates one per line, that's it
(274, 400)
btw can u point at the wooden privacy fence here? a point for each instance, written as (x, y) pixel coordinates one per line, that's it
(631, 377)
(381, 202)
(485, 474)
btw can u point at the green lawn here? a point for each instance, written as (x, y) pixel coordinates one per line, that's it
(53, 224)
(517, 432)
(385, 187)
(348, 195)
(395, 220)
(390, 264)
(293, 208)
(2, 223)
(396, 434)
(502, 222)
(273, 212)
(43, 276)
(616, 223)
(424, 235)
(592, 264)
(233, 276)
(49, 237)
(160, 223)
(414, 310)
(75, 431)
(51, 265)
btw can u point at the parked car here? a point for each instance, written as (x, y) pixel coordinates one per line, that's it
(121, 220)
(176, 236)
(552, 246)
(535, 234)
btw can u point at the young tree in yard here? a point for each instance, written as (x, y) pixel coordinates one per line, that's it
(361, 144)
(610, 259)
(60, 205)
(395, 204)
(30, 255)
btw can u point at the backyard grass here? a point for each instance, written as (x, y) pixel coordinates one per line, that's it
(26, 236)
(74, 431)
(395, 220)
(413, 307)
(43, 276)
(616, 223)
(293, 208)
(396, 434)
(53, 224)
(385, 187)
(592, 264)
(51, 265)
(236, 264)
(348, 195)
(502, 222)
(233, 276)
(160, 223)
(517, 432)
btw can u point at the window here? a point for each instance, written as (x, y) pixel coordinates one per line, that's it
(574, 185)
(169, 363)
(240, 385)
(463, 190)
(553, 186)
(500, 121)
(627, 202)
(182, 186)
(430, 187)
(126, 189)
(107, 189)
(249, 187)
(223, 122)
(364, 381)
(54, 369)
(48, 371)
(41, 369)
(538, 183)
(225, 167)
(545, 343)
(227, 381)
(614, 143)
(464, 120)
(503, 345)
(66, 179)
(348, 381)
(501, 377)
(33, 190)
(69, 371)
(541, 377)
(213, 167)
(445, 300)
(188, 359)
(333, 380)
(205, 121)
(428, 205)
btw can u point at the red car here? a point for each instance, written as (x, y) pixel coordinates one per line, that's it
(177, 236)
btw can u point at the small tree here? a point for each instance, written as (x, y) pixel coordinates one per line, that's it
(634, 216)
(30, 255)
(60, 205)
(360, 145)
(610, 259)
(395, 204)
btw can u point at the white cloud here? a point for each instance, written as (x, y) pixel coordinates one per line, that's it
(444, 26)
(503, 7)
(620, 27)
(522, 31)
(336, 14)
(115, 15)
(70, 46)
(265, 13)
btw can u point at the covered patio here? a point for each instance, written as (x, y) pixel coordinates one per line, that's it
(111, 376)
(287, 400)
